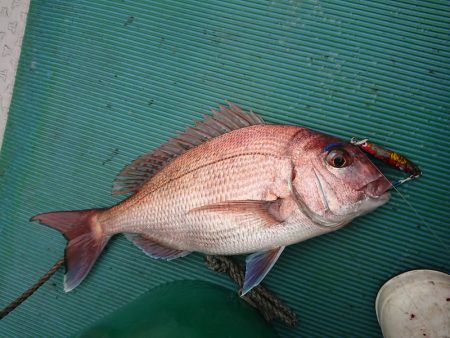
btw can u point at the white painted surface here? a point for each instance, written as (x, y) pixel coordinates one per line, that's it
(13, 16)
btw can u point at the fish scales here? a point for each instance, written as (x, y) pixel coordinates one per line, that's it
(230, 167)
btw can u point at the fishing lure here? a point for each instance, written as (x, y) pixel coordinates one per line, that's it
(391, 158)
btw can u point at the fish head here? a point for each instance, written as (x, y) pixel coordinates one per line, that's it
(334, 181)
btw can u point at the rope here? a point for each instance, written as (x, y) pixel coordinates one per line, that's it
(23, 297)
(259, 297)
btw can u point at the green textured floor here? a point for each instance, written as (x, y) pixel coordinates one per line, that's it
(101, 82)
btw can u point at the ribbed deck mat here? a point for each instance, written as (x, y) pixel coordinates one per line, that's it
(101, 82)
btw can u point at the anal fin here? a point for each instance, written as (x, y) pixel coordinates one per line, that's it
(154, 249)
(258, 266)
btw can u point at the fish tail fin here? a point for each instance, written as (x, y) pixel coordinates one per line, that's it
(86, 241)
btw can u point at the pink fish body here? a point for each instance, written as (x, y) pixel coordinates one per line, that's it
(231, 185)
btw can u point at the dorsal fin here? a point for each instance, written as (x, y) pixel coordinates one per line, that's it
(224, 120)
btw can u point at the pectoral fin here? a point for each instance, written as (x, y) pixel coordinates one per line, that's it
(265, 212)
(258, 266)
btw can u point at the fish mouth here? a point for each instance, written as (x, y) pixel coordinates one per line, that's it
(378, 188)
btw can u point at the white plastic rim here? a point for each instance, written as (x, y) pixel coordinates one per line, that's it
(415, 304)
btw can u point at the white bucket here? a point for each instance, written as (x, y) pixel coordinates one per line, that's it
(415, 304)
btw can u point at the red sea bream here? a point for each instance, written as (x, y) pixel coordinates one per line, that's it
(230, 185)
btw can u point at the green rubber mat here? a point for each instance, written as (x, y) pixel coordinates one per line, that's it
(101, 82)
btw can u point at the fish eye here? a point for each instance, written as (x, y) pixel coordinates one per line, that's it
(338, 158)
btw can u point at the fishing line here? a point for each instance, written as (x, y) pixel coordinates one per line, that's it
(400, 162)
(422, 220)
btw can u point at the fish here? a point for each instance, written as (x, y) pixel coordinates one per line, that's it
(230, 185)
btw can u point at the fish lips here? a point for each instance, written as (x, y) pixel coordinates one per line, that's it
(378, 188)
